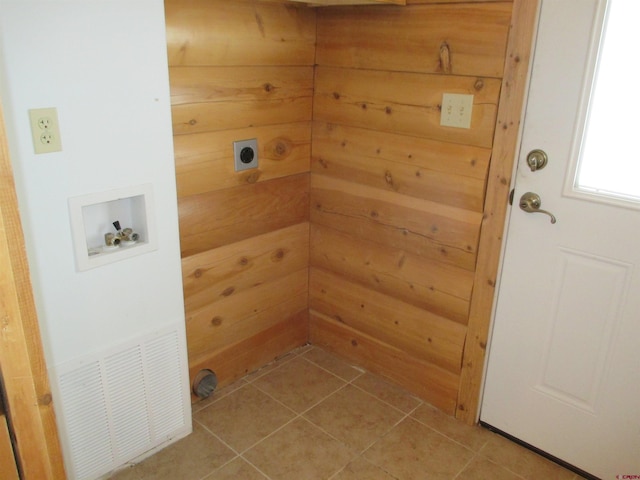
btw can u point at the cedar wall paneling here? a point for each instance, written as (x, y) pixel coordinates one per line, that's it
(238, 70)
(373, 254)
(396, 199)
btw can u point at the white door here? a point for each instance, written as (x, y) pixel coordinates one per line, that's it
(564, 363)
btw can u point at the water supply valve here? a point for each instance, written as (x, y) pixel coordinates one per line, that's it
(121, 237)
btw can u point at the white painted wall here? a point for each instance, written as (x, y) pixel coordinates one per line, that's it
(102, 64)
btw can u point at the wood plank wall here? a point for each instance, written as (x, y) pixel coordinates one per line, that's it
(396, 199)
(238, 70)
(360, 230)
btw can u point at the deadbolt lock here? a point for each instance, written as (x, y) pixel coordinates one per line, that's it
(537, 160)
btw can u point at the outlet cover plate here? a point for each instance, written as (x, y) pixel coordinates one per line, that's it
(456, 110)
(245, 154)
(45, 130)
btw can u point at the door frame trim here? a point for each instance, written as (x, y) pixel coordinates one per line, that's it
(506, 143)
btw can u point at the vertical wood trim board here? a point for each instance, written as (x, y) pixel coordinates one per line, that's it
(29, 401)
(506, 140)
(7, 457)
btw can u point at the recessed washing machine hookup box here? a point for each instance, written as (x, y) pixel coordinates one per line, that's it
(113, 225)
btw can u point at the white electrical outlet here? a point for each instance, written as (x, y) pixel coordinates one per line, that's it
(45, 130)
(456, 110)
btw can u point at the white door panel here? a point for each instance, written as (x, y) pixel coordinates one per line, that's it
(564, 369)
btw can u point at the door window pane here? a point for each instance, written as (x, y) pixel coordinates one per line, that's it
(610, 163)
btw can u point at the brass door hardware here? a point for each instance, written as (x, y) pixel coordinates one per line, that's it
(530, 202)
(537, 160)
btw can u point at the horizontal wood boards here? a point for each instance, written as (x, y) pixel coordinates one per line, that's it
(241, 70)
(364, 208)
(203, 165)
(447, 173)
(430, 285)
(403, 102)
(411, 39)
(239, 32)
(417, 332)
(397, 199)
(223, 98)
(217, 218)
(446, 234)
(238, 359)
(436, 385)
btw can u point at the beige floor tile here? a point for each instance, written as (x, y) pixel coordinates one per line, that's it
(360, 469)
(522, 461)
(191, 458)
(473, 437)
(299, 384)
(481, 468)
(299, 451)
(129, 473)
(219, 393)
(387, 392)
(332, 363)
(354, 417)
(238, 469)
(244, 417)
(339, 420)
(413, 451)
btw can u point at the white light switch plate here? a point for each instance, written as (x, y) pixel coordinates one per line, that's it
(456, 110)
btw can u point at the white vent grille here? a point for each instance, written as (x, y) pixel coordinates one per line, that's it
(122, 403)
(166, 406)
(88, 421)
(127, 391)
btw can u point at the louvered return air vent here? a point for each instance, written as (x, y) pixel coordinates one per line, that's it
(116, 406)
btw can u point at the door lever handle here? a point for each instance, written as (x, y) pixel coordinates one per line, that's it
(530, 202)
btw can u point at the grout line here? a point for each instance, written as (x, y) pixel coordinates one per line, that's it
(377, 439)
(354, 453)
(256, 467)
(464, 467)
(361, 373)
(357, 452)
(269, 436)
(206, 403)
(309, 408)
(293, 419)
(384, 401)
(358, 369)
(296, 414)
(457, 442)
(218, 438)
(301, 415)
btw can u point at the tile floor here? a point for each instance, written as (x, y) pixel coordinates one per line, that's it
(311, 416)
